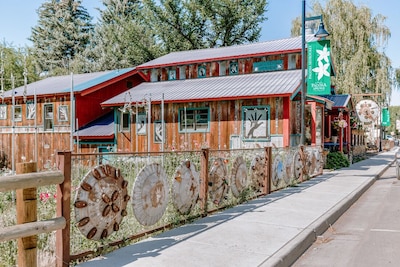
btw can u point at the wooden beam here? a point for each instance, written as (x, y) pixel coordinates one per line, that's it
(32, 228)
(30, 180)
(26, 213)
(63, 237)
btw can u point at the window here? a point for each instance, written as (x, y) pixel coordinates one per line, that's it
(201, 72)
(3, 112)
(172, 74)
(17, 113)
(30, 110)
(48, 117)
(256, 123)
(125, 119)
(193, 119)
(63, 113)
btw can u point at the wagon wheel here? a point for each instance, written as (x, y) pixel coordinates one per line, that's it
(297, 165)
(150, 194)
(278, 170)
(257, 172)
(186, 187)
(239, 180)
(100, 202)
(218, 181)
(288, 168)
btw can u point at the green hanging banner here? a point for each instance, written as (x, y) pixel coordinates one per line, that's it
(385, 117)
(319, 68)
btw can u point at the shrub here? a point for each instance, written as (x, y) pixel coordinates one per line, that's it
(336, 160)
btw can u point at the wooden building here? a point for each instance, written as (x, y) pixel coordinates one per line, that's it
(39, 119)
(230, 97)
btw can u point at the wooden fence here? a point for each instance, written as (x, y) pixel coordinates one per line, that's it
(25, 183)
(27, 180)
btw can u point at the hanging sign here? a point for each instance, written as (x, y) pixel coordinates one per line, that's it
(319, 68)
(385, 117)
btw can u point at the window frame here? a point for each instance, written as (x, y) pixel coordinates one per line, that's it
(47, 119)
(183, 127)
(17, 116)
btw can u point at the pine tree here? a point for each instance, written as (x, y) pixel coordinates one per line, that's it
(63, 32)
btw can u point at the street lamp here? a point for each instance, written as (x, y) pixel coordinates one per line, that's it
(321, 33)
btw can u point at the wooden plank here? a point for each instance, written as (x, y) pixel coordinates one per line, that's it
(205, 154)
(30, 180)
(32, 228)
(63, 236)
(27, 213)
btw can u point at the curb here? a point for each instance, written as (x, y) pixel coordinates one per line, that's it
(289, 253)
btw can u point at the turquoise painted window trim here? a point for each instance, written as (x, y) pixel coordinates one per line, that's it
(256, 123)
(194, 119)
(17, 113)
(233, 68)
(48, 117)
(172, 74)
(201, 72)
(124, 121)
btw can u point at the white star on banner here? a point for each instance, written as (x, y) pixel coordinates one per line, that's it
(323, 54)
(322, 70)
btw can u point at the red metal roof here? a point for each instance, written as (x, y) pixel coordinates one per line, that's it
(268, 84)
(281, 46)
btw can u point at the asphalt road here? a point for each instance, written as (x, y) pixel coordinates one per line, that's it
(367, 234)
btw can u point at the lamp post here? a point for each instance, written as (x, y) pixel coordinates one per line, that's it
(321, 33)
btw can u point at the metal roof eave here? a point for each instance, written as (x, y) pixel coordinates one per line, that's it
(156, 102)
(215, 59)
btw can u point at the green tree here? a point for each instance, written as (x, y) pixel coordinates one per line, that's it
(63, 32)
(357, 41)
(121, 37)
(194, 24)
(16, 63)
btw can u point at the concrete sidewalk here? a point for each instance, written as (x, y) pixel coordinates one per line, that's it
(270, 231)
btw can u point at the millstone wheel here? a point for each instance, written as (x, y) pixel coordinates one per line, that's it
(100, 202)
(298, 165)
(257, 172)
(239, 178)
(278, 170)
(218, 181)
(186, 186)
(288, 168)
(150, 194)
(312, 163)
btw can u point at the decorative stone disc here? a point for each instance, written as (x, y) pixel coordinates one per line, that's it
(313, 163)
(278, 170)
(288, 168)
(297, 165)
(218, 181)
(100, 202)
(186, 186)
(239, 180)
(257, 172)
(150, 194)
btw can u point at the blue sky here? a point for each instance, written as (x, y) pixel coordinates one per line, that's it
(18, 16)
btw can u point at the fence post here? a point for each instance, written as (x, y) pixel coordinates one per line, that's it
(267, 170)
(204, 178)
(27, 212)
(64, 209)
